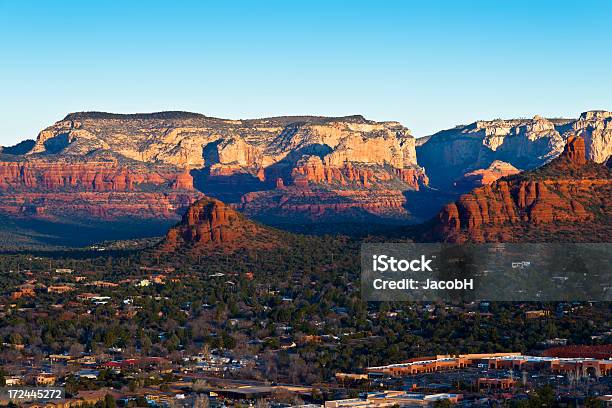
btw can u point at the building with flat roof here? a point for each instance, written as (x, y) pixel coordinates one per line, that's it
(433, 364)
(581, 366)
(393, 398)
(495, 383)
(498, 361)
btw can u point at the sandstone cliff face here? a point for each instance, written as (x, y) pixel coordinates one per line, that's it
(523, 143)
(106, 190)
(301, 167)
(596, 129)
(231, 158)
(295, 204)
(318, 190)
(210, 224)
(195, 141)
(98, 206)
(569, 198)
(311, 169)
(89, 176)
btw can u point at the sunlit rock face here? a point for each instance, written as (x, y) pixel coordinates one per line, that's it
(109, 190)
(596, 129)
(195, 141)
(371, 164)
(523, 143)
(290, 169)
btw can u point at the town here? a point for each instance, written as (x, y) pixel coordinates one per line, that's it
(115, 332)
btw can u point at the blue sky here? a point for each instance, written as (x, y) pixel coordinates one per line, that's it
(429, 64)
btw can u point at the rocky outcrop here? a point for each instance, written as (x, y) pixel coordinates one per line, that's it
(311, 169)
(301, 167)
(209, 225)
(303, 204)
(569, 199)
(483, 177)
(574, 152)
(115, 206)
(523, 143)
(319, 190)
(596, 129)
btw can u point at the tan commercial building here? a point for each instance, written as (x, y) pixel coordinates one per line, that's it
(393, 398)
(433, 364)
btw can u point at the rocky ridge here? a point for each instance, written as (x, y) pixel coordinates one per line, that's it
(194, 141)
(569, 199)
(523, 143)
(236, 160)
(298, 169)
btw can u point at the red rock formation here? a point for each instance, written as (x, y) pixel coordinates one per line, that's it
(414, 177)
(301, 201)
(210, 224)
(525, 143)
(88, 176)
(317, 190)
(183, 181)
(313, 170)
(569, 194)
(575, 151)
(228, 157)
(484, 177)
(105, 190)
(98, 205)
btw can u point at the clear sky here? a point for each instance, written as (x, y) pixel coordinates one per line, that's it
(428, 64)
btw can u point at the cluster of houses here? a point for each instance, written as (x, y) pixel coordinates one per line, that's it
(64, 281)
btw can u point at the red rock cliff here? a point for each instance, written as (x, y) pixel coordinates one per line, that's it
(317, 190)
(568, 195)
(313, 170)
(89, 176)
(105, 190)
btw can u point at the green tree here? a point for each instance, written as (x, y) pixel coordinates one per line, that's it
(109, 401)
(592, 402)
